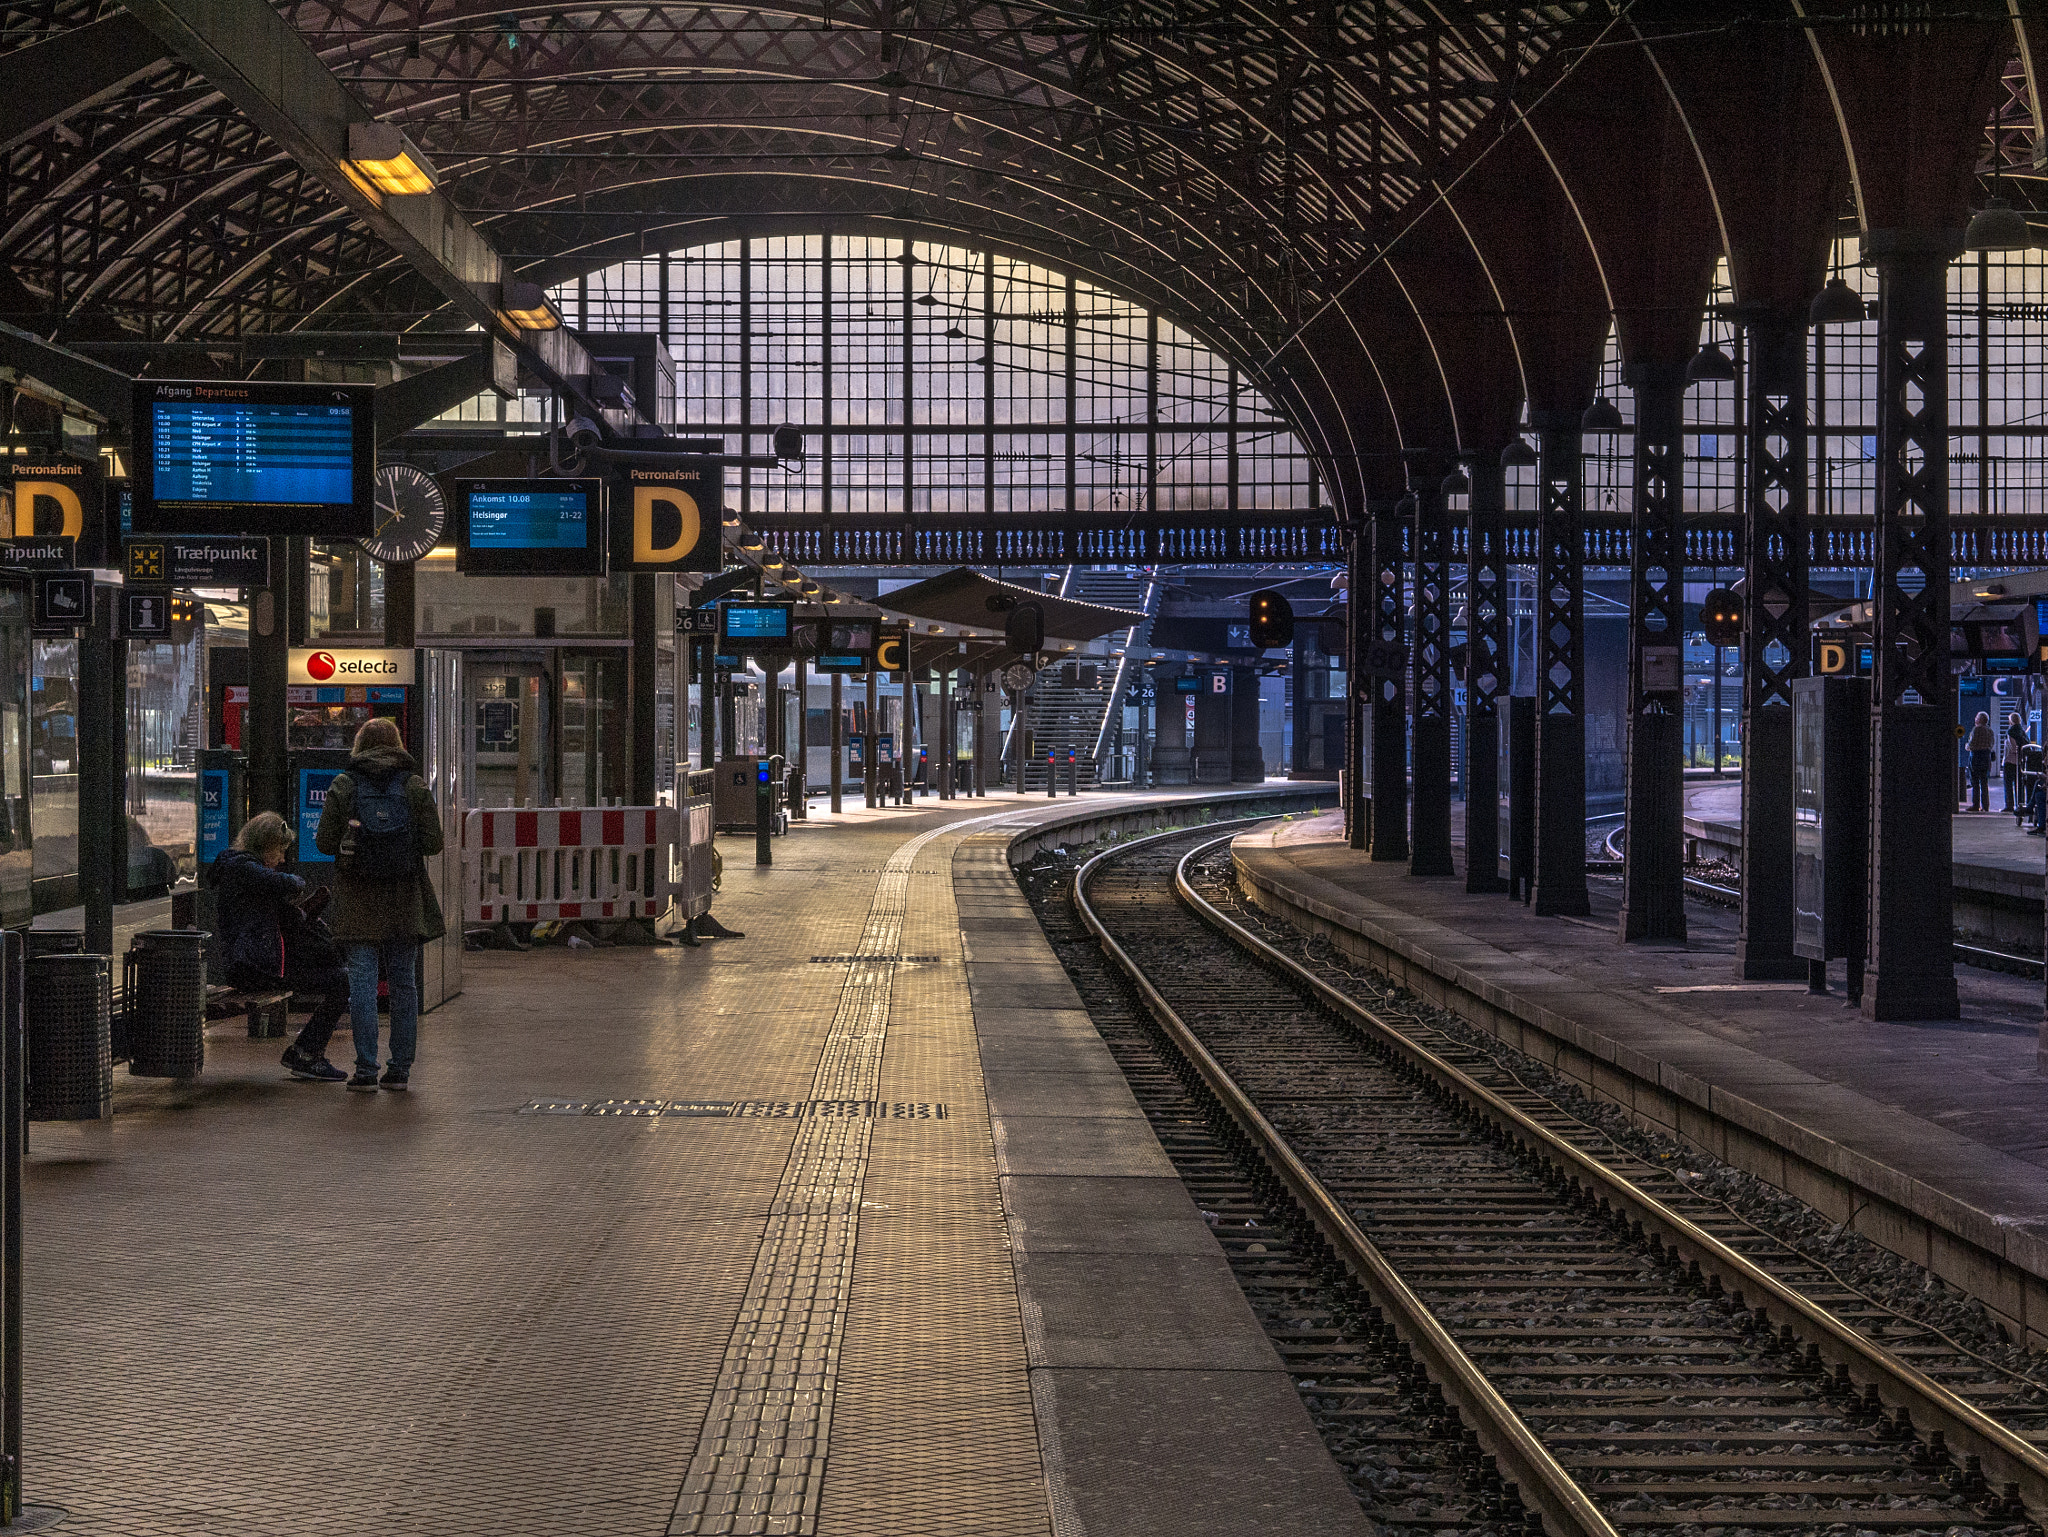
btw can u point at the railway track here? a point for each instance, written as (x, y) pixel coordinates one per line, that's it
(1499, 1317)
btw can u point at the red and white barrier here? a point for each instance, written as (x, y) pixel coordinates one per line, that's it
(569, 862)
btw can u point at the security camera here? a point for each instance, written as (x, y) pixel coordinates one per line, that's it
(584, 433)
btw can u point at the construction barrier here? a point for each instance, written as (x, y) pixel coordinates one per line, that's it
(570, 862)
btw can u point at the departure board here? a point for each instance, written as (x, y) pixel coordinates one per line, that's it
(542, 527)
(236, 457)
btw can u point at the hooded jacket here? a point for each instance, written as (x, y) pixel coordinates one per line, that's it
(249, 902)
(381, 912)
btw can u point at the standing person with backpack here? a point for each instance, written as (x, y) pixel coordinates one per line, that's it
(378, 823)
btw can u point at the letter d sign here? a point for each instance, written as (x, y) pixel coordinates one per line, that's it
(1834, 657)
(646, 499)
(28, 492)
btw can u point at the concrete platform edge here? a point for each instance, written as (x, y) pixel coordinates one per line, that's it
(2002, 1266)
(1162, 1406)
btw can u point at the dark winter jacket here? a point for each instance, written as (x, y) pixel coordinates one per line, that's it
(378, 912)
(250, 903)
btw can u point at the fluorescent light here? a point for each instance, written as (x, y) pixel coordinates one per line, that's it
(384, 157)
(525, 307)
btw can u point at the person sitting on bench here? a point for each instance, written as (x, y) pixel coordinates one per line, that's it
(272, 947)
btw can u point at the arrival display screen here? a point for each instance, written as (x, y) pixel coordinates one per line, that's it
(756, 626)
(529, 527)
(252, 458)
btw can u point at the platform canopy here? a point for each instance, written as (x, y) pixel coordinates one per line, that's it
(964, 596)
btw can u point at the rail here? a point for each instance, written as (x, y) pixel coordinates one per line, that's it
(1543, 1481)
(1967, 1430)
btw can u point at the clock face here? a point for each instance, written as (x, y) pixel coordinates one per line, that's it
(411, 513)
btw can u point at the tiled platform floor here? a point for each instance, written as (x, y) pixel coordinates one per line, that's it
(259, 1307)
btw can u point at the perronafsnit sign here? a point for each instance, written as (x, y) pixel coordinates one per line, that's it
(320, 664)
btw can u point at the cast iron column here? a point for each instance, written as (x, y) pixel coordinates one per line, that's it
(1431, 816)
(1653, 866)
(1911, 970)
(1486, 658)
(1247, 752)
(1389, 717)
(1560, 670)
(1357, 688)
(1774, 638)
(102, 840)
(838, 781)
(267, 726)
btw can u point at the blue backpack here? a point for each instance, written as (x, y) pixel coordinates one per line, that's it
(383, 841)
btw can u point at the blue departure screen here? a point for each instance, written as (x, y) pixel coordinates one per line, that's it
(253, 453)
(756, 621)
(520, 518)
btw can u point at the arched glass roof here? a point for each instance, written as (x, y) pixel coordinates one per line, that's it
(940, 380)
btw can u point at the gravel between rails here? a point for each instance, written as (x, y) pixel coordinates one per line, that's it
(1675, 1410)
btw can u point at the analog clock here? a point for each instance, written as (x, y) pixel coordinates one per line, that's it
(410, 514)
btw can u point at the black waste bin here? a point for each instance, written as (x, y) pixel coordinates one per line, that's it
(165, 980)
(70, 1040)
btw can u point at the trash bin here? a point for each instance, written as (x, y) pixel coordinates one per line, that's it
(165, 980)
(70, 1038)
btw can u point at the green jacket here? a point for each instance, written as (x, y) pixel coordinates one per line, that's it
(378, 912)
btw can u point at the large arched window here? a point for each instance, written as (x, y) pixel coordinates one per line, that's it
(938, 380)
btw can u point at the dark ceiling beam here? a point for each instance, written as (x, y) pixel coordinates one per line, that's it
(256, 60)
(46, 82)
(414, 401)
(105, 392)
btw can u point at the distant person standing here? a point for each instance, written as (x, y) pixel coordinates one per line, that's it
(2015, 739)
(1982, 740)
(379, 823)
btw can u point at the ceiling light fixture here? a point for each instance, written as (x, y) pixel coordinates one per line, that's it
(383, 158)
(526, 307)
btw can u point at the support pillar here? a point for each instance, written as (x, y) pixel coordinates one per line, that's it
(640, 685)
(265, 728)
(1357, 689)
(1388, 719)
(1486, 670)
(871, 746)
(1560, 670)
(102, 818)
(401, 607)
(799, 793)
(1774, 643)
(1170, 752)
(1213, 730)
(1247, 755)
(1431, 816)
(946, 733)
(838, 780)
(1911, 969)
(1653, 866)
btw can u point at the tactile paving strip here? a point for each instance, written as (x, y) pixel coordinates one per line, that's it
(760, 1460)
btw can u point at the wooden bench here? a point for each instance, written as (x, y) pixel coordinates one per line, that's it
(267, 1011)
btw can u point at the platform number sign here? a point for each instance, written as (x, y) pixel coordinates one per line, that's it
(145, 615)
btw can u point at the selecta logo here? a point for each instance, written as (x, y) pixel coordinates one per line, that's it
(320, 666)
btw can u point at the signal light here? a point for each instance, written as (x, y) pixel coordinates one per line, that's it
(1272, 621)
(1721, 617)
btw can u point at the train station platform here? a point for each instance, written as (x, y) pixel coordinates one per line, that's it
(1931, 1138)
(846, 1226)
(1998, 864)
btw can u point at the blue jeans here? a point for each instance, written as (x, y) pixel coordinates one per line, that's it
(400, 962)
